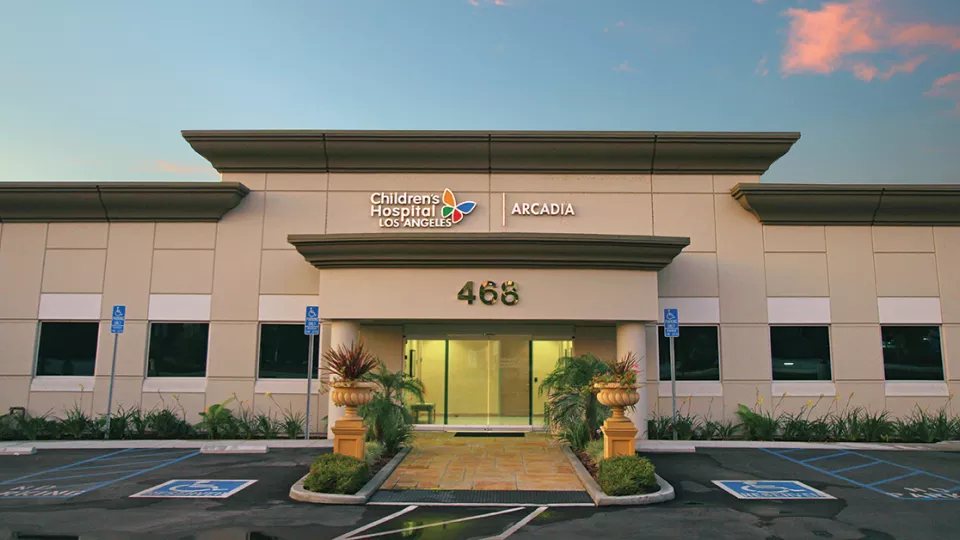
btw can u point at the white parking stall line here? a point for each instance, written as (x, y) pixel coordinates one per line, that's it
(520, 524)
(369, 526)
(408, 529)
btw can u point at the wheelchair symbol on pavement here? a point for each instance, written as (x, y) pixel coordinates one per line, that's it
(185, 489)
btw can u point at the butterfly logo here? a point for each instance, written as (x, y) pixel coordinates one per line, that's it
(453, 210)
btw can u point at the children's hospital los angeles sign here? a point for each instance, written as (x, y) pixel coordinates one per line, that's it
(433, 210)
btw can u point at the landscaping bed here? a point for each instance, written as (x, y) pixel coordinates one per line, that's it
(623, 480)
(340, 473)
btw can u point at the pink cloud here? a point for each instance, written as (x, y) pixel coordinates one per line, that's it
(494, 2)
(175, 168)
(839, 35)
(762, 69)
(867, 72)
(623, 67)
(947, 87)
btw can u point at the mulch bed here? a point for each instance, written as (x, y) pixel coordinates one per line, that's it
(588, 463)
(379, 464)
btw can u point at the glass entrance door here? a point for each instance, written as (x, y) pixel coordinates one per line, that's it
(480, 381)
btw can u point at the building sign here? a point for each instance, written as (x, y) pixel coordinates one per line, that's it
(542, 209)
(418, 210)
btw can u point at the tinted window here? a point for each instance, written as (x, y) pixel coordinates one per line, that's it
(178, 350)
(283, 352)
(800, 353)
(697, 352)
(67, 348)
(912, 353)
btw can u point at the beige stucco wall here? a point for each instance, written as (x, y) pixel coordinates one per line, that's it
(733, 261)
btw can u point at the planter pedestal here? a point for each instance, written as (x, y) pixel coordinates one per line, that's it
(619, 436)
(619, 432)
(349, 436)
(349, 433)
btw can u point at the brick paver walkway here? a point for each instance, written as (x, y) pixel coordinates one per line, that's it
(442, 461)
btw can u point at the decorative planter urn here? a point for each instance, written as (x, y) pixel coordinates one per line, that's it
(619, 433)
(349, 431)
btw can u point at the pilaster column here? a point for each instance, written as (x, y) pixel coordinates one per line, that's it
(344, 333)
(632, 338)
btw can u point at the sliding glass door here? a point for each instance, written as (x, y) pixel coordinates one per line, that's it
(477, 381)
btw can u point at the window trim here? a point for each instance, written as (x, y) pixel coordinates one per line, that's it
(943, 360)
(719, 354)
(36, 348)
(146, 352)
(319, 347)
(833, 373)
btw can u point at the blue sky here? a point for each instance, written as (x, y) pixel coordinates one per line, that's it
(100, 90)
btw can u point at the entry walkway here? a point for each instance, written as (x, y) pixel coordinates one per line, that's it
(442, 461)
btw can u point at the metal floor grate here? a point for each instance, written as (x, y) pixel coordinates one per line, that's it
(489, 434)
(479, 498)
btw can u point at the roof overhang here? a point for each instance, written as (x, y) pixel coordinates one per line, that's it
(490, 250)
(812, 204)
(609, 152)
(118, 201)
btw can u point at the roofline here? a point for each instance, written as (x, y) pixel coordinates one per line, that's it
(118, 201)
(851, 204)
(599, 152)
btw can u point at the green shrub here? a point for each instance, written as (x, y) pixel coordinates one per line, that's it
(165, 424)
(594, 449)
(337, 473)
(717, 430)
(373, 451)
(77, 424)
(571, 410)
(626, 475)
(267, 426)
(758, 426)
(387, 418)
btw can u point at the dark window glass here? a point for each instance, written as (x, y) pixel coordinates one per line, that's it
(800, 353)
(283, 352)
(178, 350)
(912, 353)
(67, 348)
(697, 352)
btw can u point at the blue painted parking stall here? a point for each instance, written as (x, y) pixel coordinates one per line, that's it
(879, 475)
(90, 474)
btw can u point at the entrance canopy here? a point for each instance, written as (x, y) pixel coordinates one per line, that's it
(488, 276)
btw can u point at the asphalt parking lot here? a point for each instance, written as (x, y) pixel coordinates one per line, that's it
(88, 494)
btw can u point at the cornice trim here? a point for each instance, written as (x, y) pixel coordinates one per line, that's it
(555, 152)
(851, 204)
(118, 201)
(490, 250)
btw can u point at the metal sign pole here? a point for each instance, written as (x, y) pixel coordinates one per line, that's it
(306, 430)
(673, 387)
(113, 369)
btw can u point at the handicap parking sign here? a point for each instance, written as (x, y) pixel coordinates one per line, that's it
(195, 489)
(770, 489)
(117, 319)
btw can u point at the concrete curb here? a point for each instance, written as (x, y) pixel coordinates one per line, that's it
(600, 498)
(193, 444)
(298, 493)
(648, 446)
(17, 450)
(234, 449)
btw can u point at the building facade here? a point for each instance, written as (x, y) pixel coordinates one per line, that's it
(474, 261)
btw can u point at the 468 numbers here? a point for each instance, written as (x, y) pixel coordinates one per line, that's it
(488, 294)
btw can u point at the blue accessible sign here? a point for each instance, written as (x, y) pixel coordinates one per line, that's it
(195, 489)
(117, 319)
(311, 325)
(770, 489)
(671, 323)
